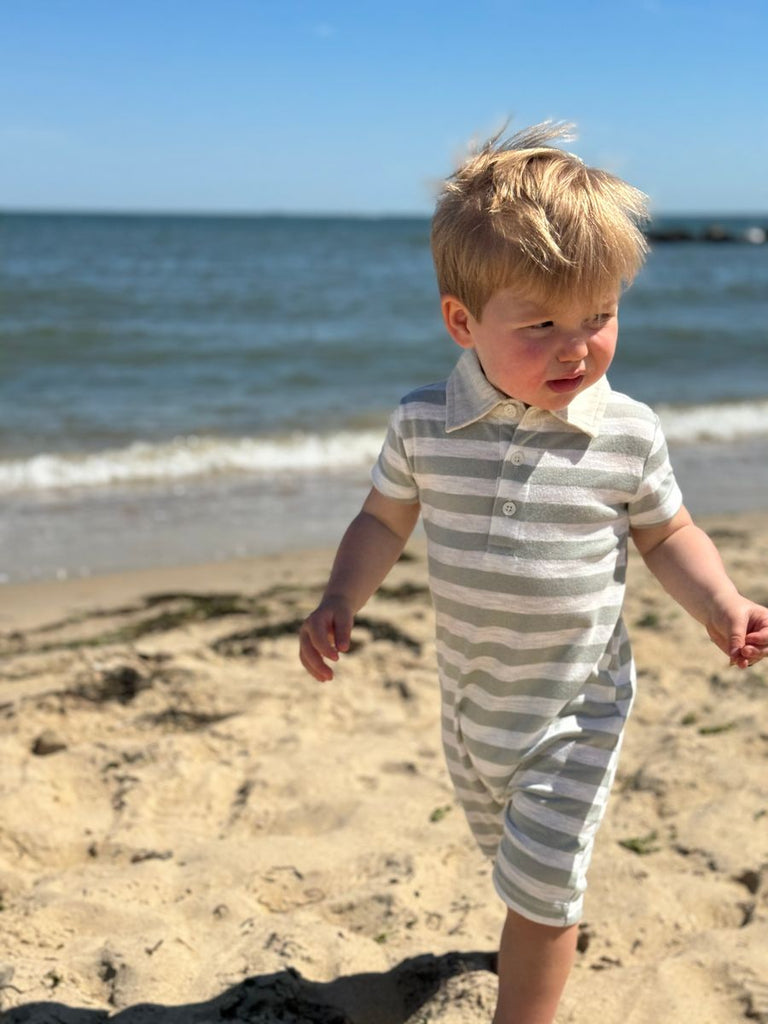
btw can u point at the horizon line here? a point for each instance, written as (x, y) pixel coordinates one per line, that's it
(54, 211)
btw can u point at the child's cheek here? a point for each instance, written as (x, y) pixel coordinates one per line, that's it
(533, 352)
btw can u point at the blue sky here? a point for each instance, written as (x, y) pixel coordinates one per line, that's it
(301, 106)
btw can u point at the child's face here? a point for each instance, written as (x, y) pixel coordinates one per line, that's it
(535, 352)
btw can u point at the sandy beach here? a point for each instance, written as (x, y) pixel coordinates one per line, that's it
(193, 830)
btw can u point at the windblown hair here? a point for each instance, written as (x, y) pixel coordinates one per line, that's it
(522, 213)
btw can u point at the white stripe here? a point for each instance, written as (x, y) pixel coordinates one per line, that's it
(519, 640)
(548, 785)
(526, 568)
(552, 671)
(522, 604)
(477, 449)
(391, 490)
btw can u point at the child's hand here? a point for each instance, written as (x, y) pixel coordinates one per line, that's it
(325, 634)
(740, 630)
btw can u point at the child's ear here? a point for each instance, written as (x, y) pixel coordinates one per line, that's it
(458, 320)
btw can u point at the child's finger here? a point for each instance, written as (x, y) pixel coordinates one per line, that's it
(318, 629)
(342, 634)
(313, 663)
(323, 636)
(736, 642)
(331, 650)
(753, 653)
(757, 638)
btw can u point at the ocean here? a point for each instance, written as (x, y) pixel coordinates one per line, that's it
(194, 388)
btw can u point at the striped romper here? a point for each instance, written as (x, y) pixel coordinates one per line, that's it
(527, 515)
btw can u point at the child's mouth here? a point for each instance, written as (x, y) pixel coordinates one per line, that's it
(565, 384)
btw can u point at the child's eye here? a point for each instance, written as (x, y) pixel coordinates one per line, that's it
(543, 326)
(598, 321)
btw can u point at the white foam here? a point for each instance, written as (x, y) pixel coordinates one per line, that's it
(186, 458)
(189, 457)
(724, 421)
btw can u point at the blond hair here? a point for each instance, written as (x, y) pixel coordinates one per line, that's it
(522, 213)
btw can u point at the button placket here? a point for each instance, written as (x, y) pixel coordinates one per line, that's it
(513, 458)
(511, 485)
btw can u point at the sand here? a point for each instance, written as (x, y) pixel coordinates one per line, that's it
(193, 830)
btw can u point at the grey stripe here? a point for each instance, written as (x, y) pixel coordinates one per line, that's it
(476, 616)
(497, 582)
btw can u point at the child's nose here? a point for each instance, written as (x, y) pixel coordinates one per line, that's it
(574, 347)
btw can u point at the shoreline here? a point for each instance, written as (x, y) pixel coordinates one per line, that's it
(91, 533)
(29, 604)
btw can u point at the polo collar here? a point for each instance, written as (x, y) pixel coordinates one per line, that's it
(470, 396)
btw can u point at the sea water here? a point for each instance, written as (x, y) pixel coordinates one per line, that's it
(191, 388)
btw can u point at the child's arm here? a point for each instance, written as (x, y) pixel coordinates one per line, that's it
(687, 564)
(372, 544)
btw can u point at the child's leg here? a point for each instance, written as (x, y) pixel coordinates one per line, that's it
(534, 963)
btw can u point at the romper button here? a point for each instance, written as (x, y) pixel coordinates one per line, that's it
(509, 508)
(516, 458)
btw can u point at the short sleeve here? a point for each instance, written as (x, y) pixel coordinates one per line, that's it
(393, 475)
(658, 497)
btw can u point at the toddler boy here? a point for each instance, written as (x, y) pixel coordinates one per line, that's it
(530, 474)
